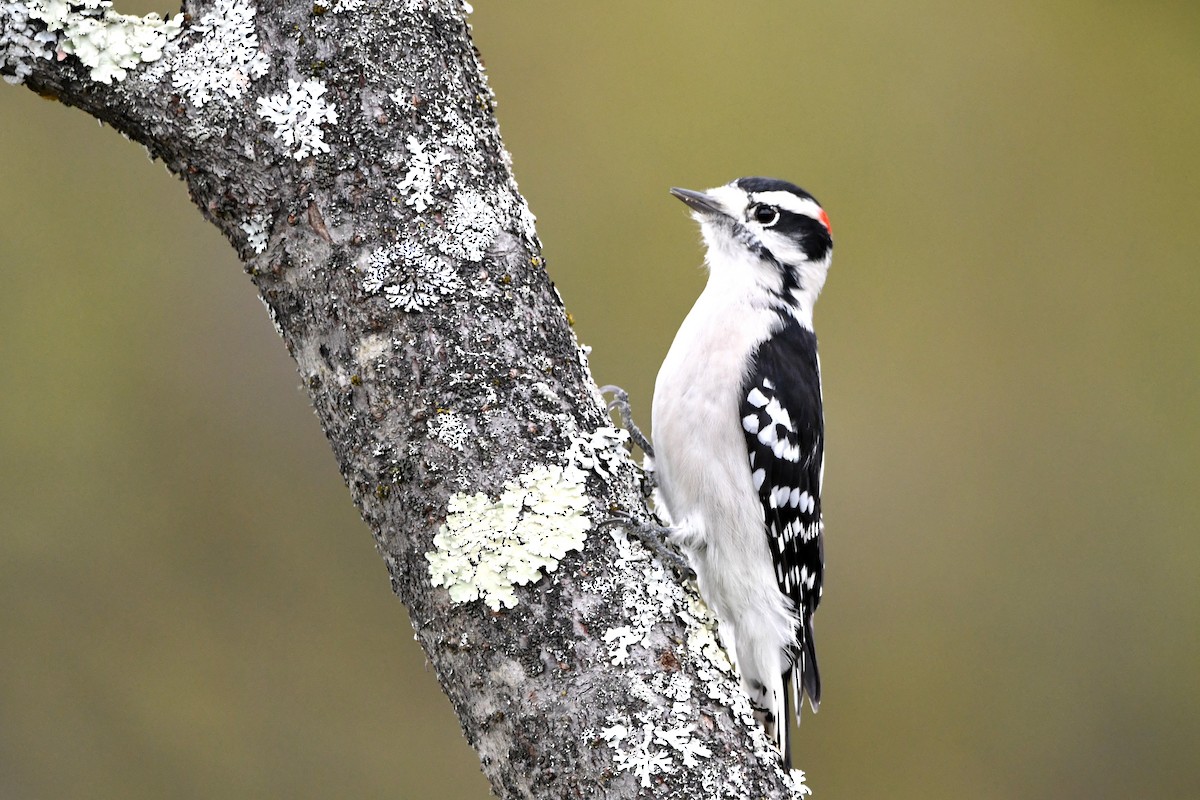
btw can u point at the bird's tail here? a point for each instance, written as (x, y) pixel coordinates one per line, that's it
(776, 679)
(795, 687)
(810, 676)
(783, 736)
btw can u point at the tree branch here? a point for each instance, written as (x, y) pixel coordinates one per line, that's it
(350, 154)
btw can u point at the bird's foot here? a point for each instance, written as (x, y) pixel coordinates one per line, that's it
(620, 404)
(654, 538)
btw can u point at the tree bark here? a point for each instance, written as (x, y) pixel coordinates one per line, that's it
(350, 154)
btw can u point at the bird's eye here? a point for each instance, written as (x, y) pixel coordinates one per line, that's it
(764, 215)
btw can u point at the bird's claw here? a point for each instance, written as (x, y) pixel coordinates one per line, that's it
(620, 404)
(654, 538)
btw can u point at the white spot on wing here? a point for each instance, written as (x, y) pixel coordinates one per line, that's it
(779, 414)
(767, 437)
(782, 494)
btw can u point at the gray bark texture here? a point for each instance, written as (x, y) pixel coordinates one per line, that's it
(401, 268)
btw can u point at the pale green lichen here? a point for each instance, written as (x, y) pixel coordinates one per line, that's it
(109, 44)
(23, 40)
(486, 548)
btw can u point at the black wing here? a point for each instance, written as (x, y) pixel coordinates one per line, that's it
(785, 432)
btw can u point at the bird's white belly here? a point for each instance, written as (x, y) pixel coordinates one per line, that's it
(704, 474)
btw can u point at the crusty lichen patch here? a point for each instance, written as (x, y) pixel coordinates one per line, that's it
(488, 547)
(109, 44)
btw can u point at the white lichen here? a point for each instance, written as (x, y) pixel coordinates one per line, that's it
(660, 737)
(797, 783)
(619, 640)
(325, 21)
(471, 226)
(600, 451)
(109, 44)
(582, 353)
(22, 40)
(635, 750)
(409, 277)
(449, 168)
(271, 313)
(298, 115)
(511, 206)
(442, 173)
(449, 429)
(424, 161)
(650, 748)
(543, 390)
(256, 232)
(488, 547)
(223, 57)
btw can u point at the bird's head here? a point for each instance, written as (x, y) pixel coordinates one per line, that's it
(768, 231)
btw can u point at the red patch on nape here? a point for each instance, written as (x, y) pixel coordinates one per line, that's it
(825, 221)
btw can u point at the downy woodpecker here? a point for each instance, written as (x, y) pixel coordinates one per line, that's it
(739, 438)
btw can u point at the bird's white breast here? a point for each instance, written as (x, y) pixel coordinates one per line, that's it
(701, 454)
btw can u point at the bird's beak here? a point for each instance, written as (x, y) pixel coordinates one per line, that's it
(698, 201)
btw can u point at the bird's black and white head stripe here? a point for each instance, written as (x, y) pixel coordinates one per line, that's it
(795, 215)
(778, 225)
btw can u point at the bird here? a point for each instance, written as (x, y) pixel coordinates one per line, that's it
(739, 438)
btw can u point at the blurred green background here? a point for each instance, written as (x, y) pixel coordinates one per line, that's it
(190, 606)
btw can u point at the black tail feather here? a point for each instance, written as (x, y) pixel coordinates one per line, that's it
(785, 720)
(810, 676)
(808, 682)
